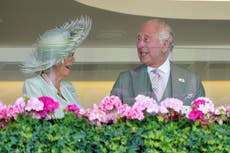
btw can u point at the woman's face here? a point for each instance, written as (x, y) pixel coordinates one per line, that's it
(64, 68)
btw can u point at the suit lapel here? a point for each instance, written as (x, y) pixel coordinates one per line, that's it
(178, 82)
(141, 81)
(142, 85)
(168, 89)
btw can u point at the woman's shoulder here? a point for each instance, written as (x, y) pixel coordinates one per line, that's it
(37, 78)
(67, 84)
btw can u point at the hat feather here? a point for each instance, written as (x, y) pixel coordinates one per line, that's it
(56, 44)
(79, 29)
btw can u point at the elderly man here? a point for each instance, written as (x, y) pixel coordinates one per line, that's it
(157, 77)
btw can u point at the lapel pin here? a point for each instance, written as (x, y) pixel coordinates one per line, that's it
(181, 80)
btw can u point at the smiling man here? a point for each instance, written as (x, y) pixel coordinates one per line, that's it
(157, 77)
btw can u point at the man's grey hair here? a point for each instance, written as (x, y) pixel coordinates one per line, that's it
(164, 32)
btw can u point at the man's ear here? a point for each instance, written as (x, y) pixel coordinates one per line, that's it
(165, 46)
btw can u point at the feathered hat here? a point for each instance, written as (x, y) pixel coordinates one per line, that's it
(56, 44)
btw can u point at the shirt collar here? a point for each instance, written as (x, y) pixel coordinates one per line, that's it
(165, 67)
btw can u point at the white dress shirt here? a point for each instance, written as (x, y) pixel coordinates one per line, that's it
(164, 71)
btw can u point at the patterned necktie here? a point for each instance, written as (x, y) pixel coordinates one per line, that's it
(157, 83)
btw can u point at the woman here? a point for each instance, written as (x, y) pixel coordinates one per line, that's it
(52, 60)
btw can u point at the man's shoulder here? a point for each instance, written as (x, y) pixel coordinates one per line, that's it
(180, 70)
(136, 69)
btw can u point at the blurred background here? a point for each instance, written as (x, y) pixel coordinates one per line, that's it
(202, 41)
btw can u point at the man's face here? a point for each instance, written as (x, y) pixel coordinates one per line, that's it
(150, 51)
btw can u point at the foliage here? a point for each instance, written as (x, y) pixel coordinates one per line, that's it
(74, 134)
(111, 126)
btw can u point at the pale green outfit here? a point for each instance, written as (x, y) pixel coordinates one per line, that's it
(52, 48)
(37, 87)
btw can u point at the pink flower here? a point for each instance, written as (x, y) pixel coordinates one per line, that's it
(228, 110)
(20, 101)
(141, 102)
(49, 104)
(20, 104)
(123, 110)
(11, 111)
(136, 114)
(72, 108)
(84, 112)
(49, 107)
(111, 117)
(207, 107)
(153, 108)
(163, 110)
(109, 103)
(220, 114)
(200, 100)
(116, 101)
(202, 109)
(170, 109)
(221, 110)
(3, 112)
(196, 114)
(96, 116)
(34, 104)
(173, 103)
(146, 103)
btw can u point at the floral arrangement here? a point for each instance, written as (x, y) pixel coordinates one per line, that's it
(111, 110)
(40, 108)
(204, 113)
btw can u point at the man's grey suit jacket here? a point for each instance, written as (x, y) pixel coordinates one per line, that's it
(182, 84)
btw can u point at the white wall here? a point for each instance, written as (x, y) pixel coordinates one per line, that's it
(116, 55)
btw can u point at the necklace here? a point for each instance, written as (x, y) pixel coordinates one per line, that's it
(46, 78)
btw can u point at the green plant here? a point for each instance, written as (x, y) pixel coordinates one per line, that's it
(72, 134)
